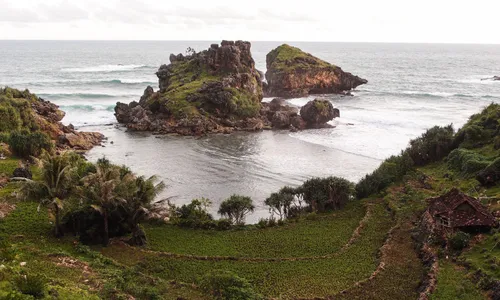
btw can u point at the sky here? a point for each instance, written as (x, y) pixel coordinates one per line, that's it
(423, 21)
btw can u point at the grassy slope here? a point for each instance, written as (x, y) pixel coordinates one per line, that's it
(453, 284)
(293, 240)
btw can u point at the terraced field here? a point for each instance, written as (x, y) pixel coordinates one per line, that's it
(335, 263)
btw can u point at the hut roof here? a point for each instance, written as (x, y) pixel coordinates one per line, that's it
(461, 210)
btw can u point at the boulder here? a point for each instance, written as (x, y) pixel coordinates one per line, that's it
(22, 173)
(318, 112)
(294, 73)
(122, 111)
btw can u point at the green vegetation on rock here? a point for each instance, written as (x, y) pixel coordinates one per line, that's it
(288, 58)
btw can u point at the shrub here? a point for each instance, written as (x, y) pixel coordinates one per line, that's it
(223, 224)
(432, 145)
(33, 285)
(25, 144)
(225, 285)
(327, 193)
(391, 170)
(194, 214)
(459, 240)
(236, 207)
(491, 174)
(467, 162)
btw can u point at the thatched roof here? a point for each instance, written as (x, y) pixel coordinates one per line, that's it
(461, 209)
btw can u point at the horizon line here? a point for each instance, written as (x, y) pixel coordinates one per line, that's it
(256, 41)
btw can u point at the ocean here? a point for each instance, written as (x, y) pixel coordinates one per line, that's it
(411, 88)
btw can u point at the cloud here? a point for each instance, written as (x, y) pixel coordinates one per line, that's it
(316, 20)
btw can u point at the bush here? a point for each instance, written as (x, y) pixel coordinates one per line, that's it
(236, 207)
(25, 144)
(459, 241)
(33, 285)
(467, 162)
(491, 174)
(223, 224)
(391, 170)
(435, 144)
(194, 214)
(225, 285)
(322, 194)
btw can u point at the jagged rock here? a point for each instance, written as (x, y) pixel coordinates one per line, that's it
(318, 112)
(198, 91)
(294, 73)
(122, 111)
(81, 140)
(148, 92)
(22, 173)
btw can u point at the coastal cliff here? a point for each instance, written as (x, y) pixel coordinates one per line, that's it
(214, 91)
(294, 73)
(24, 112)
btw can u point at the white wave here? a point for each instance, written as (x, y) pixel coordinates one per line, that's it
(104, 68)
(439, 94)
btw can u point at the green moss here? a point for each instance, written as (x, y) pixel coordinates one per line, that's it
(245, 103)
(288, 58)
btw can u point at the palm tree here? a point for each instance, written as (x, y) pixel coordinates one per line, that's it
(104, 189)
(54, 186)
(140, 204)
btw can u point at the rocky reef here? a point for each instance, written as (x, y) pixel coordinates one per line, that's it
(214, 91)
(494, 78)
(24, 111)
(294, 73)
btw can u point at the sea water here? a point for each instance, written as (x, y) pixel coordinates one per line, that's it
(411, 87)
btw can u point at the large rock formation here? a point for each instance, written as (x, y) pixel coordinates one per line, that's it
(214, 91)
(294, 73)
(25, 111)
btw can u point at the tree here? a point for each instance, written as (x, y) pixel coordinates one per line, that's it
(327, 193)
(104, 190)
(236, 207)
(54, 186)
(281, 202)
(140, 204)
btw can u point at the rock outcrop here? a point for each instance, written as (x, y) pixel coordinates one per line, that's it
(495, 78)
(294, 73)
(26, 111)
(214, 91)
(317, 113)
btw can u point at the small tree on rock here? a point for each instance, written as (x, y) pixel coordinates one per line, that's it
(236, 207)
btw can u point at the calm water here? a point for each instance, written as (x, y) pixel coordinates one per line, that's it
(411, 87)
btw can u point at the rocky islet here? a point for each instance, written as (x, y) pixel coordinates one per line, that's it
(219, 90)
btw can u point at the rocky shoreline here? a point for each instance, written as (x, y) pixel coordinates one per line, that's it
(28, 112)
(219, 90)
